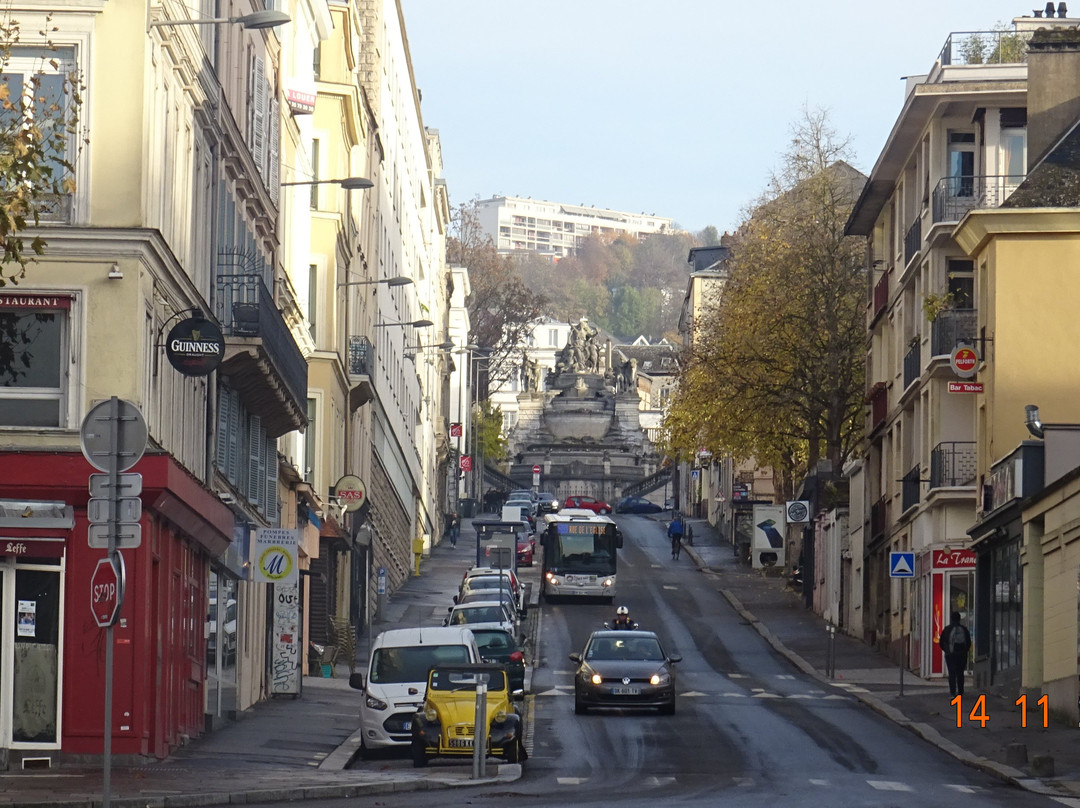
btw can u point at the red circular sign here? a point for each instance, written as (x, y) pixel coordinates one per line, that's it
(536, 469)
(964, 360)
(105, 593)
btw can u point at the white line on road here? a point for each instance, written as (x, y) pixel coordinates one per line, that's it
(819, 782)
(967, 789)
(571, 781)
(888, 785)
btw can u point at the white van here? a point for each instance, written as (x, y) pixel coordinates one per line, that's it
(397, 677)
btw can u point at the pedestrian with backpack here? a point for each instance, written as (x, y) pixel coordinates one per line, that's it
(955, 644)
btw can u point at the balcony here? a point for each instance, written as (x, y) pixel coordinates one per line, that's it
(912, 241)
(955, 196)
(985, 48)
(950, 328)
(879, 405)
(877, 521)
(881, 294)
(361, 364)
(952, 464)
(262, 360)
(909, 488)
(912, 363)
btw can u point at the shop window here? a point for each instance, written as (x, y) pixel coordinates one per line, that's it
(35, 675)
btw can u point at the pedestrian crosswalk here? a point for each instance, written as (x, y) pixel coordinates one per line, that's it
(873, 785)
(568, 690)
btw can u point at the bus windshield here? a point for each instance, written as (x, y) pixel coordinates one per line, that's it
(577, 548)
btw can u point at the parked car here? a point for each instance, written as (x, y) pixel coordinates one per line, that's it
(636, 505)
(445, 725)
(624, 669)
(479, 595)
(588, 503)
(482, 614)
(396, 674)
(475, 572)
(523, 493)
(499, 647)
(547, 502)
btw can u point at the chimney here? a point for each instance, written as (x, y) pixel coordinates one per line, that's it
(1063, 10)
(1053, 95)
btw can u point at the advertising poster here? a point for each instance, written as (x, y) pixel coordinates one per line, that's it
(27, 618)
(770, 526)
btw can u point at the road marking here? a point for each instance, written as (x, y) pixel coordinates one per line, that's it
(785, 676)
(689, 694)
(766, 696)
(743, 782)
(738, 676)
(888, 785)
(819, 782)
(835, 697)
(969, 789)
(733, 695)
(659, 781)
(571, 781)
(563, 673)
(552, 692)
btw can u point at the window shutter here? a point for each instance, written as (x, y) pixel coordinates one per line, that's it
(274, 167)
(272, 481)
(221, 455)
(258, 114)
(256, 471)
(233, 471)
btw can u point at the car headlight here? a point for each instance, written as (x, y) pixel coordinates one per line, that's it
(374, 703)
(431, 714)
(609, 582)
(553, 579)
(596, 679)
(660, 679)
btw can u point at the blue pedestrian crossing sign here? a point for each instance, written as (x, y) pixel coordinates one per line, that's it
(901, 565)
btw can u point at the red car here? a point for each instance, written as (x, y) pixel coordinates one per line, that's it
(525, 549)
(589, 503)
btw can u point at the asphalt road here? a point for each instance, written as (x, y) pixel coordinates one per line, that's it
(749, 730)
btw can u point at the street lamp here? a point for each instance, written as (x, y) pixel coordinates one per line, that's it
(255, 20)
(400, 280)
(413, 323)
(348, 183)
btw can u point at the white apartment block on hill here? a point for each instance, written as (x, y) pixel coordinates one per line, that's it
(518, 224)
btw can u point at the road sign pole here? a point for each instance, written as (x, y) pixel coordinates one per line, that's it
(903, 640)
(114, 483)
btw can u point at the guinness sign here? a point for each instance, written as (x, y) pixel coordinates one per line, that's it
(195, 346)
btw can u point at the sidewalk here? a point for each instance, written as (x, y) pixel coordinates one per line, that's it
(1001, 748)
(285, 748)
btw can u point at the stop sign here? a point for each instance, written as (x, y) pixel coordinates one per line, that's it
(106, 592)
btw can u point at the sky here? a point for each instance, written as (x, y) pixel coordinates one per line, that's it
(681, 108)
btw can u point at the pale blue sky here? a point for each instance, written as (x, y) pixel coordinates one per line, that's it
(680, 108)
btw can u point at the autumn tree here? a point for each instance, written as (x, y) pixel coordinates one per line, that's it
(502, 309)
(776, 367)
(39, 116)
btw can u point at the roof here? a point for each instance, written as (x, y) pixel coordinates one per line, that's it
(652, 360)
(1055, 181)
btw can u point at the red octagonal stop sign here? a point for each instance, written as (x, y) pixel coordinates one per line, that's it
(106, 592)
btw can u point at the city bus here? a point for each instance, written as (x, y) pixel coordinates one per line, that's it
(580, 556)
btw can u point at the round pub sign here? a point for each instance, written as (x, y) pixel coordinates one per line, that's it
(195, 346)
(964, 361)
(351, 492)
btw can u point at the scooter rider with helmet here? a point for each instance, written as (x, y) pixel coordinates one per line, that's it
(622, 619)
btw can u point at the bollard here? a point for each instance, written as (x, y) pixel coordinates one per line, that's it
(479, 752)
(1042, 765)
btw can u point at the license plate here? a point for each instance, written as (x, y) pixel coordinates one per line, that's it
(459, 743)
(406, 726)
(625, 691)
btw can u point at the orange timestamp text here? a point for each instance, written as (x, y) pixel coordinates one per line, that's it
(979, 714)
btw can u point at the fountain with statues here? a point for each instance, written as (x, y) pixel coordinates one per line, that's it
(583, 429)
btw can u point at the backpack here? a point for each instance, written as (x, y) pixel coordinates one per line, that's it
(957, 641)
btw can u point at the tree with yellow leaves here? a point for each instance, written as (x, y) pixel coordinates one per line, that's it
(40, 102)
(775, 368)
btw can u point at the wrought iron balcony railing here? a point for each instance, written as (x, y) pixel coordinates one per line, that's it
(912, 363)
(909, 488)
(951, 327)
(952, 464)
(955, 196)
(245, 308)
(913, 240)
